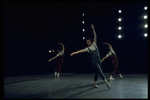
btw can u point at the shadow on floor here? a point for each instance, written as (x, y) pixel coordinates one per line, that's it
(80, 93)
(68, 90)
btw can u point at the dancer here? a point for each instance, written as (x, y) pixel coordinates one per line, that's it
(95, 57)
(113, 56)
(59, 61)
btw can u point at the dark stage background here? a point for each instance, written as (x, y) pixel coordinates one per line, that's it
(31, 29)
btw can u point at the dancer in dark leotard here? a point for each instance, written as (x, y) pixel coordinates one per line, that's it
(95, 57)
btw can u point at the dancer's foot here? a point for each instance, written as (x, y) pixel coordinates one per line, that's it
(111, 78)
(121, 76)
(108, 86)
(55, 74)
(95, 84)
(58, 75)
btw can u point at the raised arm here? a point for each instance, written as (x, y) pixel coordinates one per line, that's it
(80, 51)
(94, 33)
(108, 44)
(62, 46)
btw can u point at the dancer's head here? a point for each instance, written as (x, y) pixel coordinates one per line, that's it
(109, 48)
(89, 41)
(59, 49)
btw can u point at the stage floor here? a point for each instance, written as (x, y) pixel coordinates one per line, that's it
(73, 85)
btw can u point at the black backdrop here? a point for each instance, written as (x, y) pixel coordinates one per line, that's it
(32, 29)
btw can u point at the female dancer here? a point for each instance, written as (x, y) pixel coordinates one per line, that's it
(95, 57)
(59, 61)
(113, 56)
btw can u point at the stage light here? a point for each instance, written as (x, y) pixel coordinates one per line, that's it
(145, 17)
(83, 38)
(83, 14)
(119, 11)
(145, 25)
(145, 34)
(119, 19)
(83, 30)
(50, 51)
(119, 36)
(83, 22)
(119, 28)
(145, 8)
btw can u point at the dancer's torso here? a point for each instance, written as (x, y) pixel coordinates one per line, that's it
(95, 54)
(113, 56)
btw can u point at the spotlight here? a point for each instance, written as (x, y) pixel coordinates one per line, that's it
(83, 38)
(83, 14)
(145, 34)
(119, 19)
(119, 11)
(83, 22)
(119, 28)
(119, 36)
(83, 30)
(145, 17)
(145, 25)
(145, 8)
(50, 51)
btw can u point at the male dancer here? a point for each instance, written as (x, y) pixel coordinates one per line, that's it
(59, 61)
(95, 57)
(113, 56)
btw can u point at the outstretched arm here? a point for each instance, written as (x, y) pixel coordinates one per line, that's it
(52, 58)
(94, 33)
(62, 46)
(80, 51)
(103, 58)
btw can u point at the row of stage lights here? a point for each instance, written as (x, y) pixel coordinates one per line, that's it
(119, 28)
(120, 19)
(50, 51)
(83, 29)
(145, 25)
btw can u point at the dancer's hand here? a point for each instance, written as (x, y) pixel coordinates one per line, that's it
(50, 60)
(104, 43)
(92, 26)
(72, 54)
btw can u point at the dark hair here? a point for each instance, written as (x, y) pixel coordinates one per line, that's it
(107, 49)
(59, 48)
(88, 39)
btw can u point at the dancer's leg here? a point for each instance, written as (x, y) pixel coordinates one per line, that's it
(56, 68)
(119, 73)
(96, 76)
(59, 66)
(115, 65)
(95, 79)
(99, 71)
